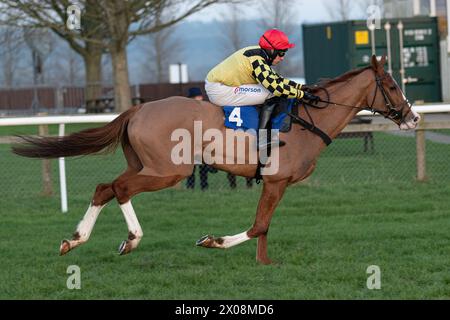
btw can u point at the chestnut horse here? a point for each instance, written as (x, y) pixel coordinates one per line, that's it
(145, 134)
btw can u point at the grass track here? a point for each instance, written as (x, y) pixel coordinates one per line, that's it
(323, 238)
(358, 209)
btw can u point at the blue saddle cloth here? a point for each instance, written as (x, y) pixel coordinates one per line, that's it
(247, 117)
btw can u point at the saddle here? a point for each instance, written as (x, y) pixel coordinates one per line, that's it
(286, 112)
(247, 117)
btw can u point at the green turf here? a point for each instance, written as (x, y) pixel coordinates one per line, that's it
(443, 131)
(358, 209)
(323, 239)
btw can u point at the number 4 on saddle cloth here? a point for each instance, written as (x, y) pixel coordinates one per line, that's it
(247, 117)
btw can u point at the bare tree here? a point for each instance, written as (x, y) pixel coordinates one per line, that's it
(232, 29)
(342, 10)
(11, 41)
(106, 24)
(281, 17)
(74, 68)
(52, 14)
(363, 8)
(150, 17)
(339, 10)
(364, 4)
(278, 14)
(107, 70)
(65, 67)
(398, 8)
(160, 50)
(41, 45)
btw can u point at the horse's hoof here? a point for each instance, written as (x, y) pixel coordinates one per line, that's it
(265, 261)
(124, 248)
(210, 242)
(64, 247)
(202, 240)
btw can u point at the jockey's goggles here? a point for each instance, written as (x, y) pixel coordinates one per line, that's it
(281, 53)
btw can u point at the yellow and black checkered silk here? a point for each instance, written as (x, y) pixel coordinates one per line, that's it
(249, 66)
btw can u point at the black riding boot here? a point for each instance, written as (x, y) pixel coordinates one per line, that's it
(264, 118)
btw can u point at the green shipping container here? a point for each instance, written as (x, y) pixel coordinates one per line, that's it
(334, 48)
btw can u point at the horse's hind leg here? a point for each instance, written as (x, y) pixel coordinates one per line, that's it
(103, 194)
(124, 189)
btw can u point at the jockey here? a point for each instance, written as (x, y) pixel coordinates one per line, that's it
(247, 78)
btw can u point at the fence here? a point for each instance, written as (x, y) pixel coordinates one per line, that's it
(394, 156)
(71, 100)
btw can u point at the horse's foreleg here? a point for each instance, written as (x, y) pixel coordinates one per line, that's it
(222, 242)
(271, 195)
(103, 194)
(124, 190)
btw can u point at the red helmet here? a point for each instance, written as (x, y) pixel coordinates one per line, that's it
(275, 39)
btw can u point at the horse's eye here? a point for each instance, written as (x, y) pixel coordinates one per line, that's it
(393, 88)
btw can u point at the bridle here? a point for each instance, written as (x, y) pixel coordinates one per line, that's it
(392, 112)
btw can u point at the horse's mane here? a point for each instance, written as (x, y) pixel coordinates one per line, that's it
(325, 82)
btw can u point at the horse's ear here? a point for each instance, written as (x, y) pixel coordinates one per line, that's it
(374, 62)
(381, 64)
(383, 60)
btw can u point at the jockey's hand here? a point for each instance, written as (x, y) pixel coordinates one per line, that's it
(306, 88)
(310, 97)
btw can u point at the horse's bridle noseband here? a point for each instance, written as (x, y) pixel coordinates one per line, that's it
(393, 111)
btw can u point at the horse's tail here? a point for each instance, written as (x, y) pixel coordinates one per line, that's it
(97, 140)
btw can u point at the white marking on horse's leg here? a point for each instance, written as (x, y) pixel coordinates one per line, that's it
(231, 241)
(134, 228)
(131, 219)
(85, 226)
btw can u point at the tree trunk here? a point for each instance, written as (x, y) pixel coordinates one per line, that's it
(9, 68)
(93, 63)
(118, 20)
(122, 94)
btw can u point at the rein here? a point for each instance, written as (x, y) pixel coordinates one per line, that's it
(392, 112)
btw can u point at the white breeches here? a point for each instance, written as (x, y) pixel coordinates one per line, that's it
(244, 95)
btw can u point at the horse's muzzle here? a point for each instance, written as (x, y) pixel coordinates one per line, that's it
(411, 121)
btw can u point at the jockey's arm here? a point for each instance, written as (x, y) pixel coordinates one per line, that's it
(275, 83)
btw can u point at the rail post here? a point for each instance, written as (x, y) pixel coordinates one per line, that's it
(62, 175)
(420, 150)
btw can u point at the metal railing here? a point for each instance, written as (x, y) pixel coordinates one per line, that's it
(420, 137)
